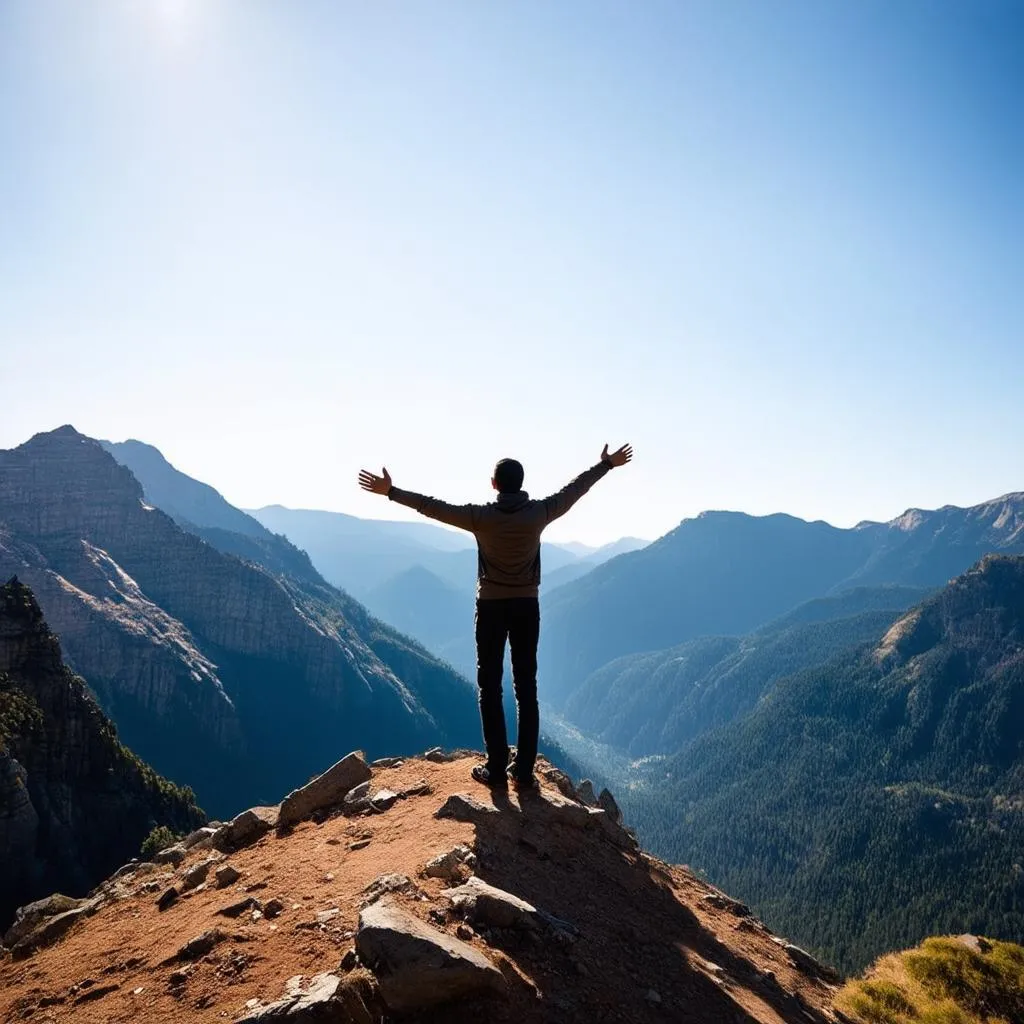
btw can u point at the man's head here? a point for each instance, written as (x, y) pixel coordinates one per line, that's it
(508, 476)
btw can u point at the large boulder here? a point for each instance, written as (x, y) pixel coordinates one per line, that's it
(325, 791)
(418, 966)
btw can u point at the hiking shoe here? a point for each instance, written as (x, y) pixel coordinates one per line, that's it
(527, 785)
(495, 780)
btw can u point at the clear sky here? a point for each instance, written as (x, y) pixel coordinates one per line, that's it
(779, 247)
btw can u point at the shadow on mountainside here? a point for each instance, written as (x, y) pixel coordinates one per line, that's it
(642, 953)
(636, 941)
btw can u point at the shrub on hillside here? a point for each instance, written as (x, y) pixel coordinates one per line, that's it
(947, 980)
(158, 839)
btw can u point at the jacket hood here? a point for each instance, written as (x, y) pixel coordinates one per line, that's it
(512, 501)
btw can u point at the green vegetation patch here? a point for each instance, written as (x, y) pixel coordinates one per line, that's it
(158, 839)
(19, 713)
(947, 980)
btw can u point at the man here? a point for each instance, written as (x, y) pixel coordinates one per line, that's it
(507, 535)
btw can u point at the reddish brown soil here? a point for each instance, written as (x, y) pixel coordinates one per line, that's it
(644, 926)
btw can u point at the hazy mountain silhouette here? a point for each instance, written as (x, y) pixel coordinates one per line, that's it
(587, 560)
(440, 616)
(362, 555)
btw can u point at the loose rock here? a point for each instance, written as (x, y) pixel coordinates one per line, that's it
(170, 855)
(383, 799)
(167, 898)
(245, 828)
(568, 812)
(421, 788)
(201, 944)
(484, 904)
(200, 835)
(325, 999)
(451, 865)
(226, 875)
(237, 909)
(385, 884)
(357, 799)
(416, 965)
(723, 902)
(463, 807)
(196, 874)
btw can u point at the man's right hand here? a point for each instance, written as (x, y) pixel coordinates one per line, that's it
(619, 457)
(373, 483)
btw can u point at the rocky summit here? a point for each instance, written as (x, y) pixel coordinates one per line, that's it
(447, 903)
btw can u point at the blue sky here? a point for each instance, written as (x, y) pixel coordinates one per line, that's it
(779, 247)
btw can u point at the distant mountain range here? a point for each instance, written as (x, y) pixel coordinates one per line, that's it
(369, 557)
(226, 661)
(876, 796)
(726, 573)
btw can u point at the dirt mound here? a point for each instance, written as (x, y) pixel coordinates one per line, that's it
(582, 926)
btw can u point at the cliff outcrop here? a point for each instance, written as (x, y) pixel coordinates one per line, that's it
(401, 891)
(206, 661)
(74, 802)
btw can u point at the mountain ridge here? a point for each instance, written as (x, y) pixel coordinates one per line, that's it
(727, 573)
(884, 783)
(168, 629)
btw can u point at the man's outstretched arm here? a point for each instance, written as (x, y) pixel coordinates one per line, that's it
(560, 503)
(462, 516)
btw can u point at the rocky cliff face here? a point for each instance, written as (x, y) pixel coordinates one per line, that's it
(74, 802)
(225, 676)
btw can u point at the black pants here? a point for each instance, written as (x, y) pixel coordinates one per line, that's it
(518, 619)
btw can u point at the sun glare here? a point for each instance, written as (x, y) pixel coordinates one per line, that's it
(175, 18)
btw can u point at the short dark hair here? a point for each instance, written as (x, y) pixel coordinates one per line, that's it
(508, 475)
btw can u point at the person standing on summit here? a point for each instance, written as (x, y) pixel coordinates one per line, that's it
(507, 533)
